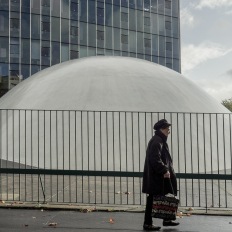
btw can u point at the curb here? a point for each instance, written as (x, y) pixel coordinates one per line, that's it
(85, 208)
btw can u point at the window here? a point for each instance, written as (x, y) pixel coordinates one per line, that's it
(169, 65)
(147, 21)
(124, 39)
(132, 4)
(45, 51)
(15, 2)
(74, 7)
(1, 23)
(74, 31)
(14, 48)
(45, 3)
(168, 25)
(46, 26)
(168, 4)
(154, 8)
(146, 5)
(124, 17)
(100, 13)
(168, 46)
(35, 51)
(14, 23)
(124, 3)
(100, 35)
(3, 52)
(92, 12)
(14, 73)
(100, 16)
(147, 43)
(140, 4)
(25, 3)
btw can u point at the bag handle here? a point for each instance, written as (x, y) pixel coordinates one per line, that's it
(170, 185)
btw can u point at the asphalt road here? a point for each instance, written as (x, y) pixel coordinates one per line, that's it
(22, 220)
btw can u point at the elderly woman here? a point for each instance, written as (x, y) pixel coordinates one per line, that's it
(158, 172)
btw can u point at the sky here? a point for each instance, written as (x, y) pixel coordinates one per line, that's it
(206, 45)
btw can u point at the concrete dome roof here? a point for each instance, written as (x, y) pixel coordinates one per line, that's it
(110, 83)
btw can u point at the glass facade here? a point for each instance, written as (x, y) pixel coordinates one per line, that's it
(35, 34)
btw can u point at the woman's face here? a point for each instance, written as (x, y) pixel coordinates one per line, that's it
(165, 131)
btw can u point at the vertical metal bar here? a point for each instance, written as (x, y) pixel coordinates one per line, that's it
(151, 124)
(50, 132)
(171, 134)
(57, 161)
(69, 155)
(126, 156)
(191, 155)
(13, 154)
(171, 137)
(7, 150)
(230, 139)
(185, 164)
(63, 148)
(211, 150)
(75, 135)
(39, 176)
(219, 191)
(44, 150)
(101, 149)
(120, 155)
(32, 177)
(38, 155)
(206, 199)
(139, 148)
(88, 155)
(178, 148)
(198, 159)
(224, 147)
(107, 157)
(94, 155)
(82, 157)
(145, 128)
(41, 183)
(25, 165)
(230, 143)
(19, 164)
(132, 148)
(113, 152)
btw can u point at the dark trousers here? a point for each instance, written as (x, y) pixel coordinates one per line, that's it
(148, 210)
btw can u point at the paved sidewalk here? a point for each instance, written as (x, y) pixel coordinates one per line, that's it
(20, 217)
(22, 220)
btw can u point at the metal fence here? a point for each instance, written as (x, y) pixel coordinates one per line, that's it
(98, 157)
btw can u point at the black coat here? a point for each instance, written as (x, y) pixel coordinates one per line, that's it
(158, 161)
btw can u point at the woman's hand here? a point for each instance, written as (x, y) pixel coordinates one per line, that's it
(167, 174)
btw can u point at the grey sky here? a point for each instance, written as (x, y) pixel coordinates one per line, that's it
(206, 45)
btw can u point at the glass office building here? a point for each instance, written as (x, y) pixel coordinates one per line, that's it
(36, 34)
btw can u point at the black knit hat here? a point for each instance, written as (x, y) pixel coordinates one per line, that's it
(163, 123)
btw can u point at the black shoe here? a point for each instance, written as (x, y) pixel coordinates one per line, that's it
(151, 227)
(170, 223)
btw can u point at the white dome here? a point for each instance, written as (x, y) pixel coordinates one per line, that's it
(110, 84)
